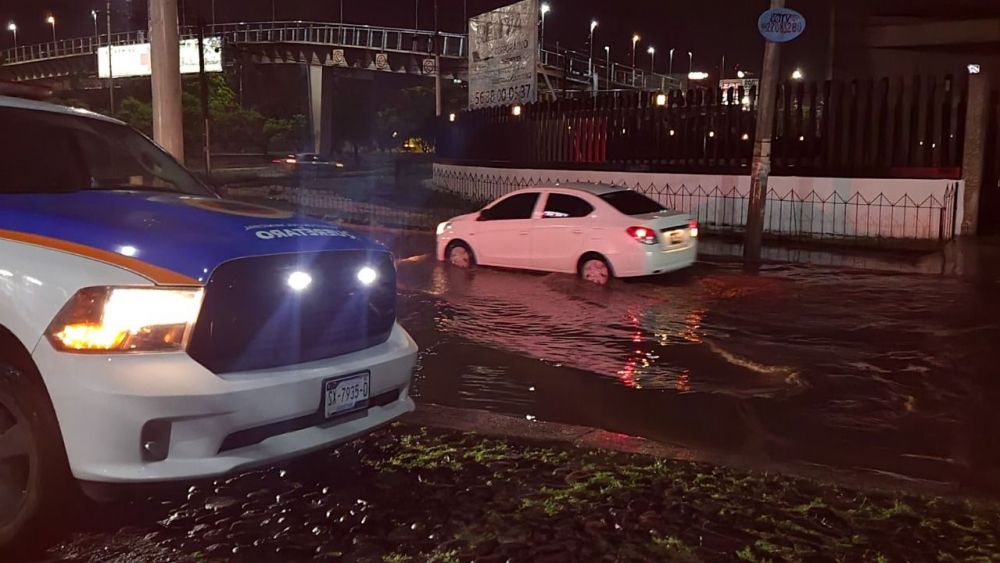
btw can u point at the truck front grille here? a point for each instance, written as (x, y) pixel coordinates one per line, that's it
(253, 318)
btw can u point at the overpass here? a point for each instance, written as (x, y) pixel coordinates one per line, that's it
(325, 49)
(363, 47)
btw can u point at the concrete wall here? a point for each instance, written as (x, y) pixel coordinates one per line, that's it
(796, 206)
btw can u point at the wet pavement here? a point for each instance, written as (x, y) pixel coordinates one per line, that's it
(411, 495)
(888, 374)
(877, 372)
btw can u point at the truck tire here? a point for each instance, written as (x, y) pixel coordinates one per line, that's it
(34, 474)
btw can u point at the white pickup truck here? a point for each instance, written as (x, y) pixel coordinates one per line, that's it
(152, 332)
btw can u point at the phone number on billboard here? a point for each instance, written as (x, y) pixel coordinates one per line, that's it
(502, 95)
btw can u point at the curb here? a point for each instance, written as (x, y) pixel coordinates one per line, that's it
(508, 427)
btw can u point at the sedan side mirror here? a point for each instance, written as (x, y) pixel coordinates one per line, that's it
(484, 215)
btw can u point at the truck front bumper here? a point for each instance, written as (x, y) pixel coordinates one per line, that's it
(110, 407)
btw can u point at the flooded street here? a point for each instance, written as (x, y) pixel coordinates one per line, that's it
(883, 373)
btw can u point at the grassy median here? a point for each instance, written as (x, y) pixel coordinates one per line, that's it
(497, 500)
(408, 494)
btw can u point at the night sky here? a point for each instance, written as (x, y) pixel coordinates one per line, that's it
(710, 28)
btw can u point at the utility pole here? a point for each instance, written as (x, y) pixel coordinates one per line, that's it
(437, 62)
(760, 170)
(205, 114)
(111, 72)
(832, 45)
(168, 120)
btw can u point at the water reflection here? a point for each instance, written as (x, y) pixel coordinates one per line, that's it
(880, 372)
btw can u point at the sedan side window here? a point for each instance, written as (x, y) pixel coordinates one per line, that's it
(562, 206)
(519, 206)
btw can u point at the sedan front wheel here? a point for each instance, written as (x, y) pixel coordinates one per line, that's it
(460, 256)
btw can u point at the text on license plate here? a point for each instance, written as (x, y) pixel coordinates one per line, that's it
(346, 394)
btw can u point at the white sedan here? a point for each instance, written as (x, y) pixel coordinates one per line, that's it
(596, 231)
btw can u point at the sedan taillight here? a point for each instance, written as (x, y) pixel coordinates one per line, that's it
(693, 228)
(645, 235)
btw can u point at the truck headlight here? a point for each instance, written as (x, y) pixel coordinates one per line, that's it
(133, 319)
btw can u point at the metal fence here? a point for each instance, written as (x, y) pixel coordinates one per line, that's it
(345, 210)
(788, 213)
(897, 128)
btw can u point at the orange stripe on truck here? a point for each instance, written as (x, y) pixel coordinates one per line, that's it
(156, 274)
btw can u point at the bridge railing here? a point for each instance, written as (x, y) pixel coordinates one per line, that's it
(334, 34)
(68, 47)
(347, 35)
(580, 67)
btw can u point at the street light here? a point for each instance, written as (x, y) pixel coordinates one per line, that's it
(690, 62)
(635, 41)
(652, 58)
(590, 64)
(797, 74)
(93, 14)
(740, 74)
(546, 8)
(607, 56)
(51, 20)
(671, 68)
(12, 27)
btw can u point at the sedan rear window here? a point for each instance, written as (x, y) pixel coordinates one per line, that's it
(632, 203)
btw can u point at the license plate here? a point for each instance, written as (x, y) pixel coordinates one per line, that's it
(346, 394)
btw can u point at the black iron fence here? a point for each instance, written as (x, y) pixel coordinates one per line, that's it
(888, 128)
(788, 213)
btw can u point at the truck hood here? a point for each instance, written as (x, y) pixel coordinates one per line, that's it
(187, 236)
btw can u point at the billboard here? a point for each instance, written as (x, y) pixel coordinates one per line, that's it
(134, 60)
(503, 56)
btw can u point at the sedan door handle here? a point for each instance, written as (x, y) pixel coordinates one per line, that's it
(577, 231)
(523, 233)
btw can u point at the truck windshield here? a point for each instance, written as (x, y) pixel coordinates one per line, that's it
(49, 152)
(632, 203)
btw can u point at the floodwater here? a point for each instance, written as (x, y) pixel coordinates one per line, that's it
(885, 373)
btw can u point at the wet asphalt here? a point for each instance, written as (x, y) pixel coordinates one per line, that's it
(887, 373)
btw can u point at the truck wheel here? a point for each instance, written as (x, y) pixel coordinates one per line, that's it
(34, 473)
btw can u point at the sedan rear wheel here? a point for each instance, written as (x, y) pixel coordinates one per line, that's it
(595, 270)
(460, 256)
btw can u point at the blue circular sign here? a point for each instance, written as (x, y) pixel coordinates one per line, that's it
(781, 25)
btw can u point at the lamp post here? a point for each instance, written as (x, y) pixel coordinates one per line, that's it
(51, 20)
(93, 14)
(690, 62)
(607, 56)
(652, 58)
(635, 41)
(12, 27)
(590, 62)
(416, 14)
(545, 9)
(670, 69)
